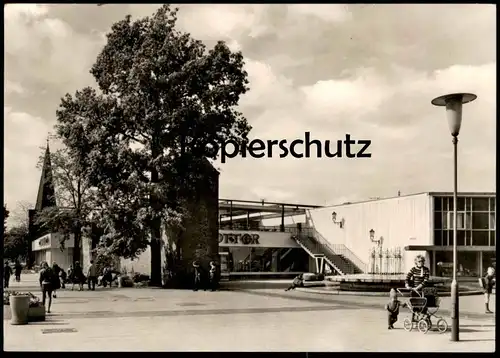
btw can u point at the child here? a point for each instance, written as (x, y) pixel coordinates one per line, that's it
(488, 282)
(297, 282)
(392, 308)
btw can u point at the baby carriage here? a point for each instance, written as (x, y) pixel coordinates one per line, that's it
(423, 306)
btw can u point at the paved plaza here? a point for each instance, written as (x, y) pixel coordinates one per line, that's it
(148, 319)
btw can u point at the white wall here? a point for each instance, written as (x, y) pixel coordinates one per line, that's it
(401, 221)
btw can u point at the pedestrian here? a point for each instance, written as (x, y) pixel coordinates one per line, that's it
(18, 269)
(392, 308)
(196, 276)
(92, 276)
(46, 281)
(57, 282)
(70, 273)
(213, 276)
(298, 281)
(488, 282)
(63, 276)
(78, 277)
(7, 272)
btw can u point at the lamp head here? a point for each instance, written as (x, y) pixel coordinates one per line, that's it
(453, 103)
(372, 234)
(334, 216)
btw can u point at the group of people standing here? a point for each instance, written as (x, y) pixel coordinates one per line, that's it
(206, 280)
(7, 273)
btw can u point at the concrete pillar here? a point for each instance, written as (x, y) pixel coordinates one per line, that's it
(480, 264)
(433, 269)
(282, 227)
(275, 261)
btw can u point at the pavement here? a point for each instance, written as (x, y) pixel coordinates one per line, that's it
(269, 319)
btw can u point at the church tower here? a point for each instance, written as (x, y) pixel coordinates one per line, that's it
(46, 190)
(45, 198)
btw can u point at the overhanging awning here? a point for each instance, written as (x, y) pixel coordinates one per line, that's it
(449, 248)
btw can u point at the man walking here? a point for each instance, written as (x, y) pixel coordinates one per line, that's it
(92, 276)
(7, 272)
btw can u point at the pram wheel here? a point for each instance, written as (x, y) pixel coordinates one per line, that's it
(429, 322)
(407, 324)
(442, 325)
(423, 326)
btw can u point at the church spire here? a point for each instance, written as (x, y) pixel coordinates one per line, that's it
(46, 191)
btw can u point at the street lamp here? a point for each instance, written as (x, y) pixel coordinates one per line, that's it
(453, 103)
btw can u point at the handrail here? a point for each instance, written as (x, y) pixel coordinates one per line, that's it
(337, 249)
(304, 239)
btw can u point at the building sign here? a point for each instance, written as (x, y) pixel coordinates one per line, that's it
(243, 238)
(44, 241)
(239, 238)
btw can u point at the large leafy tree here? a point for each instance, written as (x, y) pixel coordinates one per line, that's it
(166, 102)
(16, 242)
(16, 238)
(74, 196)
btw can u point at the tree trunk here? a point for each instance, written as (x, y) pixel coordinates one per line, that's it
(155, 245)
(77, 246)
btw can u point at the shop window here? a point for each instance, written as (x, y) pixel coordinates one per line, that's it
(460, 204)
(438, 204)
(480, 221)
(444, 263)
(492, 221)
(492, 204)
(489, 260)
(480, 204)
(480, 238)
(438, 220)
(461, 238)
(467, 264)
(438, 237)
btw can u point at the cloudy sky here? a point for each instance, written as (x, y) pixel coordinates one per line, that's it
(367, 70)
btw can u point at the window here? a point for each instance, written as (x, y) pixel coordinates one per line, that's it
(460, 204)
(480, 221)
(492, 221)
(492, 204)
(438, 220)
(450, 237)
(446, 204)
(461, 221)
(438, 237)
(492, 238)
(467, 264)
(468, 238)
(480, 238)
(480, 204)
(438, 204)
(468, 204)
(461, 238)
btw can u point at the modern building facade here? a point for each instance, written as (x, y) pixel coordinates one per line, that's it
(48, 248)
(413, 224)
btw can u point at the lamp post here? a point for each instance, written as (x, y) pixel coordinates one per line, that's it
(453, 103)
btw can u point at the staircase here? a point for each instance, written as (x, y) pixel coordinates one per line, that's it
(343, 260)
(338, 262)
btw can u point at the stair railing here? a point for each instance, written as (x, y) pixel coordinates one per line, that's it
(336, 249)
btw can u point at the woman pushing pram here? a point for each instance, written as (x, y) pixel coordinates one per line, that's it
(423, 302)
